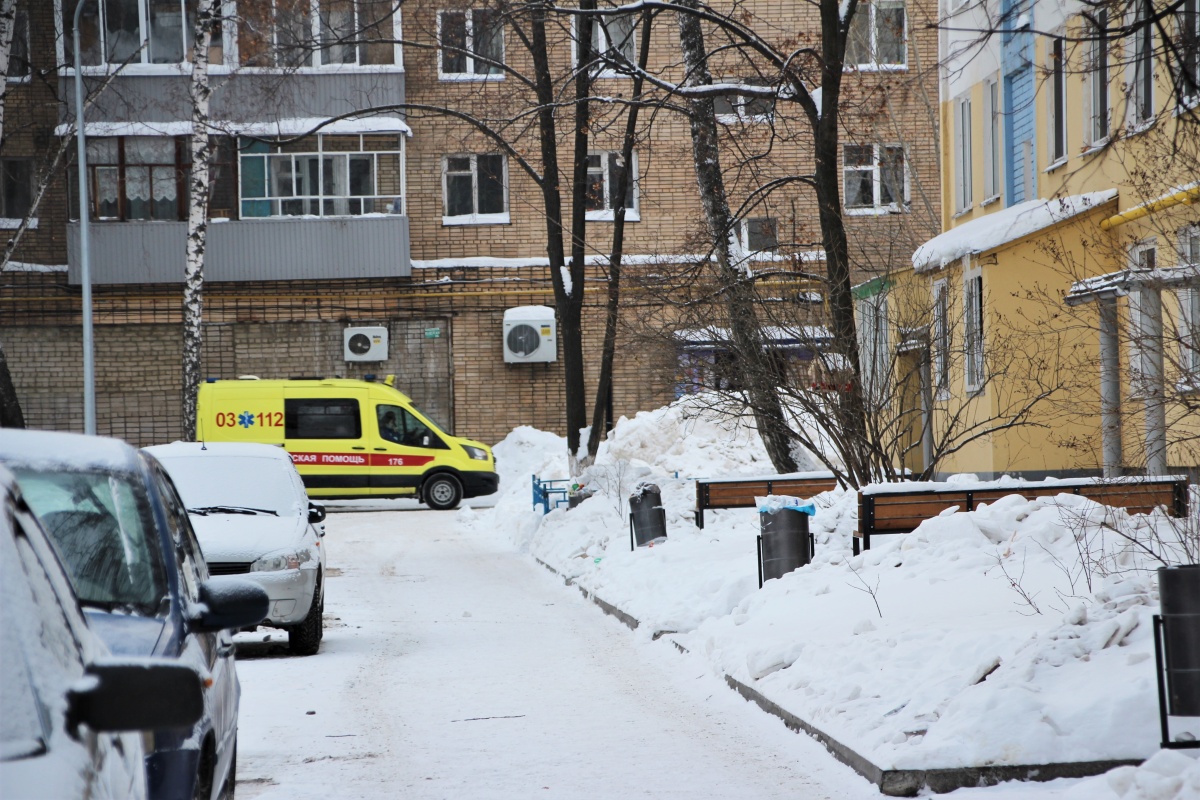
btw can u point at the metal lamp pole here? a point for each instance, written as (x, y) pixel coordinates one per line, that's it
(89, 365)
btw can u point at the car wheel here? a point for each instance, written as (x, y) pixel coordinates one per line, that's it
(442, 492)
(230, 785)
(204, 776)
(305, 638)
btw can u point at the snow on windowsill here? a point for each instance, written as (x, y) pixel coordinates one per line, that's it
(12, 223)
(1062, 162)
(25, 266)
(476, 219)
(875, 68)
(184, 69)
(993, 199)
(877, 211)
(1095, 147)
(468, 77)
(964, 211)
(608, 215)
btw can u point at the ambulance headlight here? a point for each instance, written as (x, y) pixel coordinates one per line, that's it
(477, 453)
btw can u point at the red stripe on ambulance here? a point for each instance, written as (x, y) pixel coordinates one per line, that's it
(358, 460)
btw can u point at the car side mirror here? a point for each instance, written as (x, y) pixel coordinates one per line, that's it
(136, 695)
(316, 513)
(230, 603)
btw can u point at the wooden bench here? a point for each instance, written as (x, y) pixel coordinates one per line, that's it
(886, 509)
(740, 492)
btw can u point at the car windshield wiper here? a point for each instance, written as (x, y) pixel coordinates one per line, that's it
(206, 510)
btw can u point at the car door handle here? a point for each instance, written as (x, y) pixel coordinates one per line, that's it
(382, 449)
(356, 447)
(226, 650)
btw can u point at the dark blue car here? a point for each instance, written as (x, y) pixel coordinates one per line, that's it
(134, 563)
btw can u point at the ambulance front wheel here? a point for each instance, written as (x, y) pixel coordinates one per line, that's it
(442, 492)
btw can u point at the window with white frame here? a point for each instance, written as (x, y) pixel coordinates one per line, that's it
(16, 188)
(472, 44)
(614, 42)
(973, 352)
(1056, 99)
(18, 54)
(340, 176)
(963, 163)
(603, 175)
(1189, 306)
(759, 234)
(941, 338)
(1187, 26)
(991, 140)
(114, 31)
(474, 189)
(874, 178)
(873, 346)
(315, 33)
(1141, 85)
(1098, 79)
(745, 107)
(877, 37)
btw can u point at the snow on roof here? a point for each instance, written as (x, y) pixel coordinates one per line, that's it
(968, 483)
(284, 127)
(54, 449)
(165, 452)
(1001, 227)
(26, 266)
(650, 259)
(772, 334)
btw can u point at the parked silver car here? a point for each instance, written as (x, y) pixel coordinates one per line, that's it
(65, 700)
(253, 518)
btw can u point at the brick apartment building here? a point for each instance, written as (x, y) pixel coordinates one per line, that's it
(404, 218)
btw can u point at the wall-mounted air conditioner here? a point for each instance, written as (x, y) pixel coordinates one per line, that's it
(368, 343)
(530, 335)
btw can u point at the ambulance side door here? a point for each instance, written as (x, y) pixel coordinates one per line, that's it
(404, 449)
(324, 433)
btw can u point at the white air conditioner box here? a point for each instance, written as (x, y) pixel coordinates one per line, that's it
(365, 343)
(530, 335)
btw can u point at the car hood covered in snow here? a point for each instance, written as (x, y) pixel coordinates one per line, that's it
(246, 537)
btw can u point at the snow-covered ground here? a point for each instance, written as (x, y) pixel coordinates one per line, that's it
(1019, 633)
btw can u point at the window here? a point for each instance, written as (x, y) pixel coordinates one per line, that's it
(992, 162)
(759, 234)
(321, 419)
(875, 179)
(963, 164)
(1187, 23)
(315, 33)
(876, 38)
(873, 346)
(16, 188)
(472, 44)
(402, 427)
(614, 42)
(1141, 89)
(1098, 80)
(1057, 98)
(18, 54)
(734, 108)
(941, 338)
(342, 176)
(137, 177)
(973, 328)
(474, 189)
(131, 31)
(603, 175)
(1189, 305)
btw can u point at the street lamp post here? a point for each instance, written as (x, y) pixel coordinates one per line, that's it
(85, 267)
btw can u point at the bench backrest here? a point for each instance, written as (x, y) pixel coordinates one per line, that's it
(741, 494)
(902, 512)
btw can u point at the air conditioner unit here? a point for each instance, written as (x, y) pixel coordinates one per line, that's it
(365, 343)
(530, 335)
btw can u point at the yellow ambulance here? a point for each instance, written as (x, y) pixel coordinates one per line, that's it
(349, 438)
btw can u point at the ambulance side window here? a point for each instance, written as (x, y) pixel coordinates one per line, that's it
(398, 425)
(322, 419)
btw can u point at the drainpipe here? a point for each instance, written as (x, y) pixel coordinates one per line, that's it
(1110, 387)
(927, 409)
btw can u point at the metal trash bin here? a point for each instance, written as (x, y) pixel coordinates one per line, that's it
(784, 544)
(577, 498)
(647, 517)
(1179, 594)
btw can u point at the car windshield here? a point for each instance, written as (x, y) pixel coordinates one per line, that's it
(104, 530)
(235, 484)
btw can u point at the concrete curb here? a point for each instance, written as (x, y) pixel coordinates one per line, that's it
(891, 782)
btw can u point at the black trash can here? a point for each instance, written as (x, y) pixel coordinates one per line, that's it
(784, 544)
(577, 498)
(647, 517)
(1179, 593)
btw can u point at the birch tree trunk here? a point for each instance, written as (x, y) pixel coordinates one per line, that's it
(745, 332)
(8, 22)
(200, 93)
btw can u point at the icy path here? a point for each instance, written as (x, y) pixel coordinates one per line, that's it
(454, 667)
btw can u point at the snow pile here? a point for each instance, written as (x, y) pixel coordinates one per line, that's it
(1167, 775)
(1018, 633)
